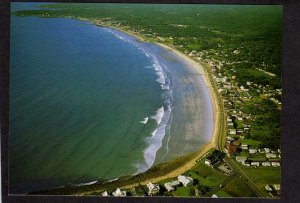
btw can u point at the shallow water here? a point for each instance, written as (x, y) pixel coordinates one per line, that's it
(90, 103)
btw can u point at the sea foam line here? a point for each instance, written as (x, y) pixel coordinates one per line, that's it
(145, 120)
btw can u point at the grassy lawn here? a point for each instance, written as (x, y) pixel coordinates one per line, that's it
(206, 175)
(264, 175)
(238, 188)
(250, 142)
(222, 193)
(182, 192)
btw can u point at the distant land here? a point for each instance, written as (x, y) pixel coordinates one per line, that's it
(236, 49)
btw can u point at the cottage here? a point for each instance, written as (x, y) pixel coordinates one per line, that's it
(214, 196)
(230, 124)
(266, 163)
(254, 163)
(276, 187)
(171, 185)
(252, 151)
(268, 188)
(244, 146)
(275, 164)
(229, 138)
(153, 188)
(241, 159)
(267, 150)
(119, 193)
(214, 158)
(105, 194)
(232, 131)
(270, 155)
(229, 120)
(185, 180)
(240, 118)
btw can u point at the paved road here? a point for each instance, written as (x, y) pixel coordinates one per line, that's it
(221, 144)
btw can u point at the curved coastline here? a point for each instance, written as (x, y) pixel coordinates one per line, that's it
(189, 159)
(203, 150)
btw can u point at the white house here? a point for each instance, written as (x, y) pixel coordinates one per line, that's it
(266, 163)
(267, 150)
(244, 146)
(232, 131)
(252, 151)
(241, 159)
(105, 194)
(214, 196)
(171, 185)
(119, 193)
(270, 155)
(255, 163)
(276, 187)
(275, 164)
(185, 180)
(153, 188)
(268, 188)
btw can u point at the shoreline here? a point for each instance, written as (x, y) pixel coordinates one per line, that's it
(192, 157)
(216, 117)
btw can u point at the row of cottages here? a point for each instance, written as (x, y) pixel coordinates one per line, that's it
(214, 159)
(184, 180)
(117, 193)
(244, 160)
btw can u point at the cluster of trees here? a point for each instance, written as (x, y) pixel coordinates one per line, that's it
(266, 125)
(255, 30)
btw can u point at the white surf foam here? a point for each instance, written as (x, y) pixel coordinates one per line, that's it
(155, 142)
(145, 120)
(159, 115)
(89, 183)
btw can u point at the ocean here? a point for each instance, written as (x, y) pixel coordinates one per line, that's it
(92, 103)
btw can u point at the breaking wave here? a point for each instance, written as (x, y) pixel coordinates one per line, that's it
(145, 120)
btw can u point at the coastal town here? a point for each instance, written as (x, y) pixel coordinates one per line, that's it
(238, 147)
(247, 159)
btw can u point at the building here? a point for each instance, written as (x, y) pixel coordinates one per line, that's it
(119, 193)
(185, 180)
(171, 185)
(105, 194)
(276, 187)
(275, 164)
(267, 150)
(232, 131)
(153, 188)
(244, 146)
(214, 158)
(270, 155)
(268, 188)
(266, 163)
(241, 159)
(255, 163)
(252, 151)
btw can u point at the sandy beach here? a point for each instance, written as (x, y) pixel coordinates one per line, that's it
(216, 129)
(214, 141)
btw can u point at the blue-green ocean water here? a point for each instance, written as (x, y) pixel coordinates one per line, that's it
(89, 103)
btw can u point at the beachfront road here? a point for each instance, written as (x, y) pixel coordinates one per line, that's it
(221, 144)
